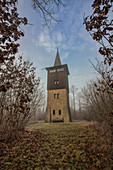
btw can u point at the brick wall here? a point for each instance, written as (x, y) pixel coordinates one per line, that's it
(56, 103)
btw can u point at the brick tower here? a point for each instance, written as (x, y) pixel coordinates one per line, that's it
(58, 92)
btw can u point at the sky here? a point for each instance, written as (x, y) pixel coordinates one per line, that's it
(76, 47)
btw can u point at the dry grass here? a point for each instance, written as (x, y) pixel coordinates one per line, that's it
(58, 146)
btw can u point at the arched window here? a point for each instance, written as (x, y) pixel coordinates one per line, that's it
(53, 112)
(59, 112)
(57, 96)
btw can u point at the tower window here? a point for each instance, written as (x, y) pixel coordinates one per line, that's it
(59, 112)
(57, 81)
(52, 71)
(53, 112)
(60, 69)
(57, 96)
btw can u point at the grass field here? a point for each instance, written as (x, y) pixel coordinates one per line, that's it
(57, 146)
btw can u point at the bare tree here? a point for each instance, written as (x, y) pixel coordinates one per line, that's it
(73, 91)
(15, 108)
(48, 9)
(38, 102)
(98, 106)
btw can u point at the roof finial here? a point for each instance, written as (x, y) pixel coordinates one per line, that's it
(57, 60)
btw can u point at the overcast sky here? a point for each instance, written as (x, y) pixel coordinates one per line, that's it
(75, 45)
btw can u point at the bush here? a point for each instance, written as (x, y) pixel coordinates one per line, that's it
(16, 102)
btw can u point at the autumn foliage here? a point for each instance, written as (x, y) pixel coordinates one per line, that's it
(100, 27)
(10, 33)
(17, 77)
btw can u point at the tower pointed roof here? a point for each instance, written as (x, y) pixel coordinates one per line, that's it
(57, 59)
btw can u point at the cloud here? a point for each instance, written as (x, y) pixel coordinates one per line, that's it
(46, 41)
(49, 41)
(57, 37)
(70, 35)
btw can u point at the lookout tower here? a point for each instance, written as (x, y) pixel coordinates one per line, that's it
(57, 92)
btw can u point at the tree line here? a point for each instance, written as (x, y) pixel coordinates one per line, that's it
(96, 98)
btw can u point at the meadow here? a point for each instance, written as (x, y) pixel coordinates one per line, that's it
(76, 145)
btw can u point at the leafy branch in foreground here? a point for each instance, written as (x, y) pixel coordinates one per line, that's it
(100, 27)
(10, 33)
